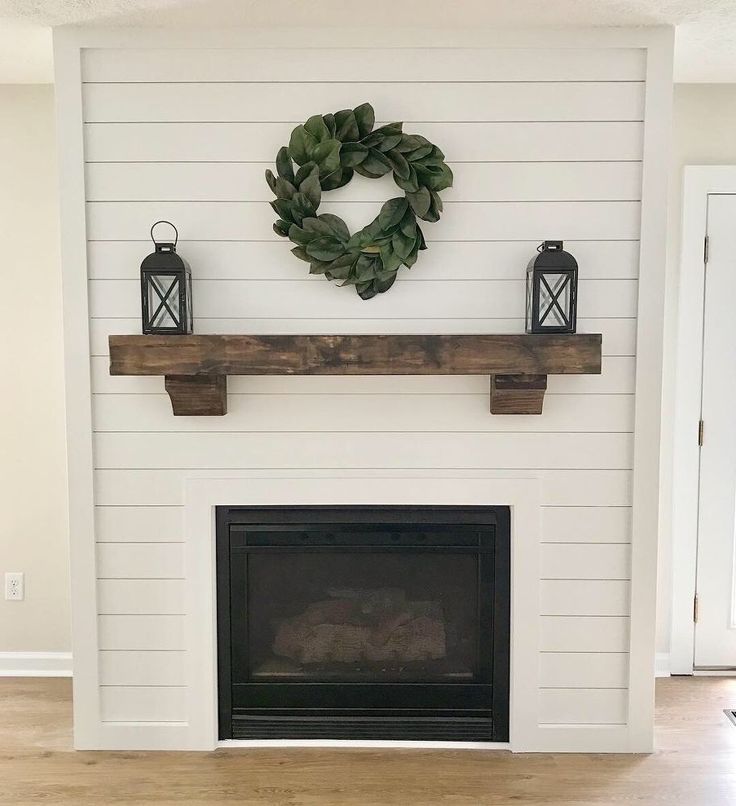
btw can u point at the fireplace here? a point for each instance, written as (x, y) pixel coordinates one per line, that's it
(363, 622)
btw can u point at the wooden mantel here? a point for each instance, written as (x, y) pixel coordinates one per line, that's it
(196, 367)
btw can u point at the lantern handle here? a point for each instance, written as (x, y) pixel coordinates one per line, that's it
(176, 231)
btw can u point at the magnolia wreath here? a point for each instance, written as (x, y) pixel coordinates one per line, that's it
(328, 150)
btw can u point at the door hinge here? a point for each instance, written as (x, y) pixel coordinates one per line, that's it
(695, 608)
(701, 431)
(706, 244)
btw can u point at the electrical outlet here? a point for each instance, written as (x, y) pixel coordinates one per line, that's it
(14, 585)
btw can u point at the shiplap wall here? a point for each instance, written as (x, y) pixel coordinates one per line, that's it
(543, 144)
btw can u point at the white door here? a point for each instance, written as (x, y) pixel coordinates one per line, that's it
(715, 628)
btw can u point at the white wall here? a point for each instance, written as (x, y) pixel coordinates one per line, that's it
(544, 143)
(704, 133)
(33, 508)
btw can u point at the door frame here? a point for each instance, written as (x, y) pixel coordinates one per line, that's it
(699, 181)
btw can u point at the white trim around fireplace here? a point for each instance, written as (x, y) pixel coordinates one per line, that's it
(202, 495)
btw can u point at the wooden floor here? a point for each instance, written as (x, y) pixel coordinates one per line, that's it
(695, 764)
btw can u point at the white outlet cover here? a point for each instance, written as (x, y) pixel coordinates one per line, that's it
(14, 585)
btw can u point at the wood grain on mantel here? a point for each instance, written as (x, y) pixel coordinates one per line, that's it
(196, 366)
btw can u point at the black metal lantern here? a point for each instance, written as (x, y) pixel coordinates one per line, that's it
(166, 289)
(551, 290)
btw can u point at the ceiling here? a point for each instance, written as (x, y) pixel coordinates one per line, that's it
(705, 48)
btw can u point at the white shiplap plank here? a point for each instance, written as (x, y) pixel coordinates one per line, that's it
(140, 597)
(293, 101)
(264, 299)
(616, 378)
(482, 221)
(133, 525)
(559, 488)
(141, 632)
(583, 669)
(583, 707)
(619, 335)
(355, 64)
(221, 181)
(140, 560)
(460, 141)
(362, 450)
(584, 634)
(575, 597)
(586, 561)
(582, 524)
(375, 412)
(143, 704)
(458, 260)
(143, 668)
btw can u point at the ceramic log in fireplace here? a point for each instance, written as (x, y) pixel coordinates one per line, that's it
(363, 623)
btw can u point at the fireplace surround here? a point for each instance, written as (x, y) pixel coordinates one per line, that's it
(363, 622)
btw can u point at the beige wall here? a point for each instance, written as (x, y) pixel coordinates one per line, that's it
(33, 515)
(704, 134)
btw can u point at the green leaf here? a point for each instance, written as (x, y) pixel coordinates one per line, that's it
(317, 128)
(336, 226)
(365, 118)
(390, 129)
(283, 188)
(341, 267)
(409, 224)
(317, 227)
(304, 172)
(420, 201)
(301, 235)
(283, 209)
(410, 185)
(374, 165)
(403, 245)
(365, 267)
(352, 154)
(401, 167)
(281, 228)
(391, 261)
(329, 120)
(346, 126)
(419, 153)
(299, 252)
(389, 141)
(312, 189)
(284, 165)
(422, 242)
(301, 145)
(337, 179)
(271, 180)
(392, 212)
(411, 142)
(325, 248)
(382, 284)
(327, 156)
(301, 208)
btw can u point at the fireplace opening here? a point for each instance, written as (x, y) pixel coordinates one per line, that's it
(363, 622)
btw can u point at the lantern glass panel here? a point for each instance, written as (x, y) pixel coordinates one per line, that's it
(163, 300)
(555, 303)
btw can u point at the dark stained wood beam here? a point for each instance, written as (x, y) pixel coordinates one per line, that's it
(196, 367)
(356, 355)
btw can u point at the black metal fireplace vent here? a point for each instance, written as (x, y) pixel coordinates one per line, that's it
(363, 623)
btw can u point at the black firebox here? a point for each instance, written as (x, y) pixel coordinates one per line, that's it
(363, 623)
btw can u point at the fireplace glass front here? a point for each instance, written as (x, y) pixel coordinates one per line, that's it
(363, 622)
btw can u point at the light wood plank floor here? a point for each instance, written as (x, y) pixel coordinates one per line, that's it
(695, 764)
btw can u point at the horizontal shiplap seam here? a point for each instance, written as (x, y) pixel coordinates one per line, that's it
(369, 201)
(382, 81)
(235, 122)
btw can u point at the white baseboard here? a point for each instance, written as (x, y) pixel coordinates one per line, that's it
(662, 664)
(35, 664)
